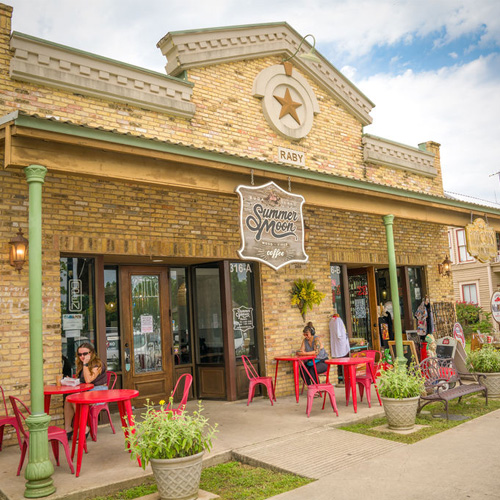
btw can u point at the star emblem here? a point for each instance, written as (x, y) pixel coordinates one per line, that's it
(288, 106)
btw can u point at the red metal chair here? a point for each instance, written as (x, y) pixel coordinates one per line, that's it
(56, 435)
(364, 377)
(255, 380)
(188, 380)
(96, 409)
(314, 388)
(8, 420)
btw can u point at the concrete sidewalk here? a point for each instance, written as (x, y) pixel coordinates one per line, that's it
(346, 465)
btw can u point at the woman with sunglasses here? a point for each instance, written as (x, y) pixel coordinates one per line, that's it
(90, 370)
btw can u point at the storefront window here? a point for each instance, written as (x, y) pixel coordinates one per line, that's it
(180, 316)
(77, 284)
(360, 307)
(337, 297)
(384, 292)
(113, 350)
(242, 292)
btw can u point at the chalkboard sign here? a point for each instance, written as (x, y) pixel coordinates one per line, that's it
(445, 351)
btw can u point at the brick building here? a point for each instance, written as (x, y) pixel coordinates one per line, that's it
(141, 219)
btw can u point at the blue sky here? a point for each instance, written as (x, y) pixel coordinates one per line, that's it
(432, 67)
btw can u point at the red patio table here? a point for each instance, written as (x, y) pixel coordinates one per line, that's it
(49, 390)
(295, 361)
(350, 376)
(83, 400)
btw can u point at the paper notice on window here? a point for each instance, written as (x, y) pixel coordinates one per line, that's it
(146, 324)
(72, 321)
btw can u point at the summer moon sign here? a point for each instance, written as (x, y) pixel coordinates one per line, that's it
(271, 224)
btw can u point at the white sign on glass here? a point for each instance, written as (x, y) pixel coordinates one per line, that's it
(72, 321)
(146, 323)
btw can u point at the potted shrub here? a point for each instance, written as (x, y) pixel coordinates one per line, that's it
(486, 361)
(400, 391)
(174, 445)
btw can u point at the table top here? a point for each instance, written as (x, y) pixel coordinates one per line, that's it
(109, 396)
(348, 361)
(293, 358)
(66, 389)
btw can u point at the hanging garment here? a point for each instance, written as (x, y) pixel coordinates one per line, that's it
(339, 340)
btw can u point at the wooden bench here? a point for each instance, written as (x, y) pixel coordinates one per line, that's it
(443, 383)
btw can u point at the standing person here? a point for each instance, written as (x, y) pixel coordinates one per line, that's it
(339, 341)
(90, 370)
(311, 344)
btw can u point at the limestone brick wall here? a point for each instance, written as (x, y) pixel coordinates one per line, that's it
(228, 119)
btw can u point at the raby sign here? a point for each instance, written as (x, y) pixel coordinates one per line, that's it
(271, 224)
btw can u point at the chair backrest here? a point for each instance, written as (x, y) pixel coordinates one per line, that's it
(305, 374)
(188, 380)
(249, 368)
(111, 379)
(437, 370)
(21, 411)
(4, 402)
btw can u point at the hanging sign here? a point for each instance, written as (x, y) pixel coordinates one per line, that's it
(495, 306)
(271, 225)
(481, 241)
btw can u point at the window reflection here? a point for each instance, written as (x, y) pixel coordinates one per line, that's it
(180, 316)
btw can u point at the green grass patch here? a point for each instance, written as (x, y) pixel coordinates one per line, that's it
(231, 481)
(236, 481)
(471, 406)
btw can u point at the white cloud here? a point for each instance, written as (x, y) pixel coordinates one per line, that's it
(456, 107)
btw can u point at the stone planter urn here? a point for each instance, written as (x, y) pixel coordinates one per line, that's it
(492, 382)
(178, 478)
(401, 413)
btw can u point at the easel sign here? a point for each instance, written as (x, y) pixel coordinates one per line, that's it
(446, 347)
(409, 351)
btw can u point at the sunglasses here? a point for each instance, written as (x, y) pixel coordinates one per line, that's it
(80, 354)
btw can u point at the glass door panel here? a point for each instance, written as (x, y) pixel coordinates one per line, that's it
(360, 306)
(180, 316)
(146, 323)
(208, 316)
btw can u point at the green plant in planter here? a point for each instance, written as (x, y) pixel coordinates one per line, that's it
(400, 383)
(161, 434)
(485, 360)
(304, 295)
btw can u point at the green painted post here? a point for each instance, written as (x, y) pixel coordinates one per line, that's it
(393, 278)
(39, 469)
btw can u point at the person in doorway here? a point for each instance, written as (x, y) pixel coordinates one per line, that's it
(311, 344)
(90, 370)
(339, 341)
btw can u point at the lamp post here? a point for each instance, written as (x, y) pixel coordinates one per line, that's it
(393, 278)
(39, 469)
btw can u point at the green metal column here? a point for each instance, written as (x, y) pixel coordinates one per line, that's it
(39, 469)
(393, 278)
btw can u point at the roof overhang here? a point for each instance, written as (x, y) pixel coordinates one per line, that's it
(75, 149)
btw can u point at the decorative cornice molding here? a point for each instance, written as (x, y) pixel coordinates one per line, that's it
(391, 154)
(196, 48)
(44, 63)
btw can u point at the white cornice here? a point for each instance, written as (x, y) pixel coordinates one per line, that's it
(196, 48)
(391, 154)
(41, 62)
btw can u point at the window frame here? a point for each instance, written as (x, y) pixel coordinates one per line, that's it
(474, 284)
(468, 257)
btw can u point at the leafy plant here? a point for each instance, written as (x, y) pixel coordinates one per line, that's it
(485, 360)
(304, 295)
(400, 383)
(473, 318)
(162, 434)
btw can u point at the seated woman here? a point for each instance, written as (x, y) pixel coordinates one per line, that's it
(91, 370)
(312, 345)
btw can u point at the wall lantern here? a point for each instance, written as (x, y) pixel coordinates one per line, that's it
(308, 56)
(445, 267)
(18, 251)
(307, 232)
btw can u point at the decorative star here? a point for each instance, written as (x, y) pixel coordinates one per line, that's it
(288, 106)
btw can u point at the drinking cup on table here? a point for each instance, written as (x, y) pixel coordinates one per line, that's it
(58, 380)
